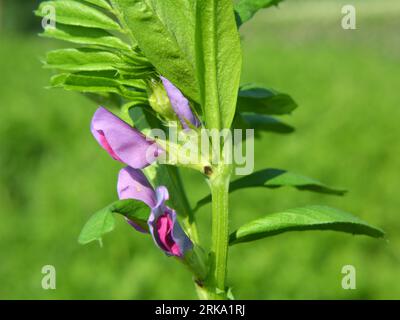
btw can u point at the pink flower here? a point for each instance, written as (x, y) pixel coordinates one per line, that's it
(163, 223)
(122, 142)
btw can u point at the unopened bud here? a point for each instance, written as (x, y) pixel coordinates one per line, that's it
(159, 100)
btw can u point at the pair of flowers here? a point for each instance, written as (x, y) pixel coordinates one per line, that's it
(131, 147)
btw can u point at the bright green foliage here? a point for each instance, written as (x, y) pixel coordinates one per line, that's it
(107, 69)
(219, 61)
(83, 60)
(261, 123)
(103, 221)
(159, 43)
(99, 224)
(87, 59)
(196, 45)
(85, 36)
(301, 219)
(43, 208)
(100, 3)
(276, 178)
(96, 83)
(264, 101)
(79, 14)
(246, 9)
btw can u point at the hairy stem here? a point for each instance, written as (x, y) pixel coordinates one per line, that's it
(219, 185)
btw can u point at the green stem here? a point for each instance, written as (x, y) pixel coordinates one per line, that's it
(219, 185)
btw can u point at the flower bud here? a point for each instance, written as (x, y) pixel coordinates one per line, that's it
(159, 100)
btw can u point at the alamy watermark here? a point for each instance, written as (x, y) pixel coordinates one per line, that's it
(49, 278)
(204, 148)
(49, 16)
(349, 18)
(349, 279)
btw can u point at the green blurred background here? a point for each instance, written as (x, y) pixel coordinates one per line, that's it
(54, 176)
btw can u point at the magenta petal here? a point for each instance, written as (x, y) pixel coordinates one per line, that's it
(180, 105)
(123, 142)
(133, 184)
(165, 229)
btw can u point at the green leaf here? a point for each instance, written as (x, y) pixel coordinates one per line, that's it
(93, 83)
(99, 224)
(219, 61)
(101, 3)
(87, 59)
(110, 100)
(135, 210)
(83, 59)
(246, 9)
(159, 44)
(85, 36)
(260, 122)
(103, 221)
(85, 83)
(276, 178)
(179, 18)
(264, 101)
(78, 14)
(302, 219)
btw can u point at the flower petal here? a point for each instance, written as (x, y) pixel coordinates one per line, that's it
(136, 226)
(133, 184)
(123, 142)
(165, 229)
(180, 105)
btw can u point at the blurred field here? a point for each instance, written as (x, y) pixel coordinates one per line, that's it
(53, 175)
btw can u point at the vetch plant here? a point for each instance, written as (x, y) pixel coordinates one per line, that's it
(162, 64)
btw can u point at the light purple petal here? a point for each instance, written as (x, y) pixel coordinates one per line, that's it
(180, 105)
(162, 195)
(165, 229)
(123, 142)
(133, 184)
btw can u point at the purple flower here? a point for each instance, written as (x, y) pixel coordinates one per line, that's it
(132, 184)
(163, 224)
(122, 142)
(180, 105)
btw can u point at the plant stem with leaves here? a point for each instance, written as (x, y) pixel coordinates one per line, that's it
(195, 45)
